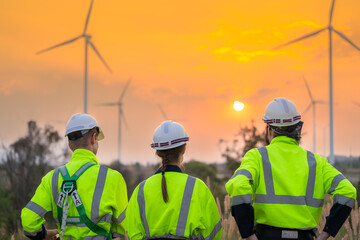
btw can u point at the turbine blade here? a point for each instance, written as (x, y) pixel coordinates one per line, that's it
(346, 39)
(308, 88)
(300, 38)
(307, 109)
(331, 12)
(97, 53)
(88, 16)
(108, 104)
(125, 88)
(162, 112)
(60, 44)
(320, 102)
(123, 117)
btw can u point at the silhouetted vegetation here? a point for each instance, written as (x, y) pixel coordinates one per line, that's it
(26, 161)
(245, 139)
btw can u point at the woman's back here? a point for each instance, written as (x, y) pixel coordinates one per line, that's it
(190, 212)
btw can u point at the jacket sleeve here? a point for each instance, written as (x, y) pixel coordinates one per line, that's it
(32, 215)
(210, 217)
(342, 191)
(134, 224)
(343, 194)
(242, 184)
(118, 223)
(241, 188)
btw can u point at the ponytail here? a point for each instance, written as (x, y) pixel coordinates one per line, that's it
(163, 180)
(168, 156)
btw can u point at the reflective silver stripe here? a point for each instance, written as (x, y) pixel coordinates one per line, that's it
(36, 208)
(80, 171)
(286, 199)
(99, 188)
(97, 237)
(271, 198)
(240, 199)
(73, 219)
(76, 224)
(312, 175)
(215, 231)
(350, 202)
(269, 183)
(169, 236)
(244, 172)
(55, 185)
(141, 202)
(185, 206)
(120, 218)
(106, 218)
(63, 171)
(335, 182)
(32, 234)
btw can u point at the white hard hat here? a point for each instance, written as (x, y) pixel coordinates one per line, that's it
(82, 122)
(169, 135)
(281, 113)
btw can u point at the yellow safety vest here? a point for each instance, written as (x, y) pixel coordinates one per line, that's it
(103, 193)
(286, 185)
(190, 213)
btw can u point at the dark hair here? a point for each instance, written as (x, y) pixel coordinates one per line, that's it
(293, 131)
(82, 142)
(168, 156)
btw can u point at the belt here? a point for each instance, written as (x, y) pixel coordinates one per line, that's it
(267, 232)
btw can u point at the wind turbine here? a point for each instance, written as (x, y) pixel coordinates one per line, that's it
(331, 30)
(121, 115)
(313, 105)
(162, 112)
(87, 38)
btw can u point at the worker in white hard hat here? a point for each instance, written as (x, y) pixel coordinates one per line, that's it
(87, 200)
(278, 190)
(171, 204)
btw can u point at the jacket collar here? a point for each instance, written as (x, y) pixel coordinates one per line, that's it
(283, 139)
(170, 168)
(84, 155)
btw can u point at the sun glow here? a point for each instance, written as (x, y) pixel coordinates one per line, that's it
(238, 106)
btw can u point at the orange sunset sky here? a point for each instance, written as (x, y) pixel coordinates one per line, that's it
(193, 57)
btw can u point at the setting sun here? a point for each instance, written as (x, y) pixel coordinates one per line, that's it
(238, 106)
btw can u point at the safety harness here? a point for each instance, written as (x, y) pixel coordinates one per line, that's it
(69, 187)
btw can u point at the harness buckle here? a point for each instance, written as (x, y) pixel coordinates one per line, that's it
(68, 186)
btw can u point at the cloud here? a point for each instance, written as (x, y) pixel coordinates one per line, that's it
(266, 91)
(228, 53)
(162, 91)
(306, 23)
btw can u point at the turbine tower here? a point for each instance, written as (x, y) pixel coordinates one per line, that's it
(119, 104)
(163, 112)
(313, 105)
(331, 30)
(88, 42)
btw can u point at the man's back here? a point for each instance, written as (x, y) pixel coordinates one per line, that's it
(102, 192)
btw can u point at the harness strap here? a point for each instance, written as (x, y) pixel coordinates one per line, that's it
(69, 185)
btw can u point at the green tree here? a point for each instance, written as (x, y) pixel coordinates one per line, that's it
(200, 170)
(26, 161)
(246, 138)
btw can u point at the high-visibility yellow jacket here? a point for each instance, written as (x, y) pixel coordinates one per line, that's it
(102, 191)
(286, 185)
(190, 212)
